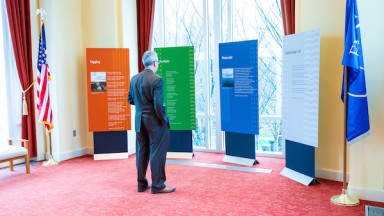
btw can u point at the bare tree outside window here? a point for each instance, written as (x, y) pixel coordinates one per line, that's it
(191, 23)
(183, 25)
(261, 20)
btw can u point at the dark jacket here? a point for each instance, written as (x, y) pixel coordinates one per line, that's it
(146, 93)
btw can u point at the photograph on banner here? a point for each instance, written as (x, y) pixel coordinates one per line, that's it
(238, 66)
(227, 77)
(98, 81)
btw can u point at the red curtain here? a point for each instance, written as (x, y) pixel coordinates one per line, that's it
(20, 25)
(288, 12)
(145, 13)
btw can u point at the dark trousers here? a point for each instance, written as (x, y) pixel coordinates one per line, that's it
(152, 144)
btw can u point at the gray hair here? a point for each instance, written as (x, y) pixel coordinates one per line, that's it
(149, 57)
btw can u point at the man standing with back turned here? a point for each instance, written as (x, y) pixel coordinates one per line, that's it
(151, 125)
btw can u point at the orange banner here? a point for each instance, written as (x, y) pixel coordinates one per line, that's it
(108, 81)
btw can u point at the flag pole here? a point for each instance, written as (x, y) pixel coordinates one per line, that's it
(344, 198)
(41, 13)
(51, 161)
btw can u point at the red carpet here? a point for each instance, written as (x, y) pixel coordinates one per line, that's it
(83, 186)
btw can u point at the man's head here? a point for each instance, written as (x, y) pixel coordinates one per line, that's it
(150, 60)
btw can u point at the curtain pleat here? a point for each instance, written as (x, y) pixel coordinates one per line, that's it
(18, 12)
(145, 13)
(288, 14)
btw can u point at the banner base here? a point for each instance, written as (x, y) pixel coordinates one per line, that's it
(180, 155)
(240, 160)
(299, 177)
(110, 156)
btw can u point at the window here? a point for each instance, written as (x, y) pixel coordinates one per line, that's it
(10, 90)
(203, 24)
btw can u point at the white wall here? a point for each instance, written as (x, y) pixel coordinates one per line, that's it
(365, 158)
(72, 26)
(310, 15)
(66, 60)
(129, 23)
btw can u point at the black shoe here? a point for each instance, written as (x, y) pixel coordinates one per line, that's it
(144, 189)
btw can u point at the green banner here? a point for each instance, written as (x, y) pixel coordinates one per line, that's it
(176, 66)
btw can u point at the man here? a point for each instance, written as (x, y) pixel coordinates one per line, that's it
(151, 125)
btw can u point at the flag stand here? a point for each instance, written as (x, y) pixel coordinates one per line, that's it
(47, 117)
(51, 161)
(344, 198)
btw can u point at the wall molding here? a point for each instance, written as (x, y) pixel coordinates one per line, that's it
(366, 193)
(333, 175)
(360, 193)
(74, 154)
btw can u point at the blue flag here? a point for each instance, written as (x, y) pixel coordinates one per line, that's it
(357, 103)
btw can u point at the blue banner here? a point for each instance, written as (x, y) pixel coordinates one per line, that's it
(239, 87)
(357, 103)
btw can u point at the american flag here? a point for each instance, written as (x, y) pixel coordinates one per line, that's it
(42, 77)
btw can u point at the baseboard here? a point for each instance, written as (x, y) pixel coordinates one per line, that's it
(333, 175)
(61, 157)
(73, 154)
(361, 193)
(87, 151)
(39, 157)
(366, 194)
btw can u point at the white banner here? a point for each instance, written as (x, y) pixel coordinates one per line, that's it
(301, 58)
